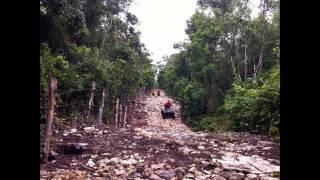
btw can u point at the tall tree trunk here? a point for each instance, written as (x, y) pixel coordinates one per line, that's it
(245, 63)
(254, 68)
(239, 74)
(93, 88)
(234, 56)
(263, 30)
(238, 64)
(234, 70)
(101, 107)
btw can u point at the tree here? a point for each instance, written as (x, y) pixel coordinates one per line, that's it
(213, 75)
(84, 41)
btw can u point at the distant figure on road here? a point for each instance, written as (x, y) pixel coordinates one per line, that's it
(158, 92)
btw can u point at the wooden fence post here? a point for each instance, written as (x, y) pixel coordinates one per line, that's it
(120, 115)
(93, 88)
(50, 116)
(128, 112)
(101, 107)
(116, 114)
(128, 109)
(125, 116)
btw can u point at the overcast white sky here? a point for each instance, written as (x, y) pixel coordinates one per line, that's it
(162, 23)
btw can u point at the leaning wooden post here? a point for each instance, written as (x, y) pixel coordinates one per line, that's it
(129, 111)
(93, 88)
(50, 116)
(116, 113)
(101, 107)
(128, 104)
(125, 115)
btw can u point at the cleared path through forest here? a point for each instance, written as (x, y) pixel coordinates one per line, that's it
(156, 148)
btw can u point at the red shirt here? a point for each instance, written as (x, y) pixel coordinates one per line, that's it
(167, 104)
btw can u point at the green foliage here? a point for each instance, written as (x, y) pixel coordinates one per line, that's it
(217, 89)
(84, 41)
(52, 66)
(148, 75)
(193, 100)
(256, 108)
(276, 174)
(217, 124)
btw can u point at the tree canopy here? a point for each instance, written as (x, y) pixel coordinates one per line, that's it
(227, 75)
(92, 40)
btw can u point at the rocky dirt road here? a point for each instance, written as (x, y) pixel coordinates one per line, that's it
(154, 148)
